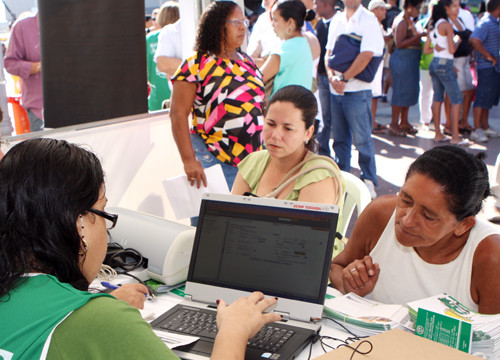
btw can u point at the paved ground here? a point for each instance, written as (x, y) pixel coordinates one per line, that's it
(395, 154)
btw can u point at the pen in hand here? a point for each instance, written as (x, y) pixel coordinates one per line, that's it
(114, 287)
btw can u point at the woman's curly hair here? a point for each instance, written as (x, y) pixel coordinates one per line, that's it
(213, 26)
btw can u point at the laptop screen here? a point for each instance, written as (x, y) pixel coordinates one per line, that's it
(283, 251)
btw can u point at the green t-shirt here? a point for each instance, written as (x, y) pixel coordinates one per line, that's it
(106, 329)
(157, 80)
(87, 326)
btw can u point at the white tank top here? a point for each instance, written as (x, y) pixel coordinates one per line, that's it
(405, 276)
(442, 41)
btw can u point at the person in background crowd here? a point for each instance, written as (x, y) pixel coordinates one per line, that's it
(461, 65)
(149, 22)
(441, 69)
(379, 9)
(404, 66)
(48, 262)
(23, 60)
(153, 23)
(223, 89)
(263, 39)
(326, 10)
(5, 125)
(485, 40)
(310, 25)
(426, 239)
(426, 91)
(292, 63)
(387, 23)
(393, 11)
(351, 98)
(168, 54)
(158, 82)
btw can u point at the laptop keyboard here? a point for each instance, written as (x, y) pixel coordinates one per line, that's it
(203, 323)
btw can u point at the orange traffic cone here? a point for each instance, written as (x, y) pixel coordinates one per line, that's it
(21, 120)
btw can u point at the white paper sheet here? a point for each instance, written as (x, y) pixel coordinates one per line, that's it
(174, 340)
(186, 199)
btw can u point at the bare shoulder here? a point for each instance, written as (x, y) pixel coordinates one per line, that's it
(487, 253)
(485, 286)
(368, 229)
(380, 210)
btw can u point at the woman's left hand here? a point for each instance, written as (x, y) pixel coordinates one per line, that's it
(360, 276)
(134, 294)
(245, 316)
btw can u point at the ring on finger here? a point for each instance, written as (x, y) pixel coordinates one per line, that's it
(192, 179)
(353, 270)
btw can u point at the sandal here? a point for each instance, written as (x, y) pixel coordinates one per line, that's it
(398, 133)
(447, 131)
(379, 129)
(442, 141)
(463, 142)
(410, 130)
(464, 129)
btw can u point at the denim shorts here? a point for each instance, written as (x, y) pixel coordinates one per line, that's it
(444, 79)
(488, 88)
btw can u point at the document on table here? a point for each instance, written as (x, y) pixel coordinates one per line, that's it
(186, 199)
(175, 340)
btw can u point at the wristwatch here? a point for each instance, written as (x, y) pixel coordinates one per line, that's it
(342, 78)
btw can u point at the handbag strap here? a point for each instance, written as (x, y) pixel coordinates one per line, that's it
(289, 177)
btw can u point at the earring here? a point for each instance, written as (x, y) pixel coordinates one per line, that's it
(85, 245)
(289, 31)
(85, 248)
(307, 141)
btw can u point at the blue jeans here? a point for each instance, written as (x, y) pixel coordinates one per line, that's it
(444, 79)
(325, 133)
(352, 121)
(207, 159)
(488, 88)
(36, 124)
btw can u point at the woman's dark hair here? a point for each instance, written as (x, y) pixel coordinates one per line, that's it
(296, 10)
(302, 99)
(492, 5)
(213, 26)
(439, 11)
(463, 176)
(45, 184)
(414, 3)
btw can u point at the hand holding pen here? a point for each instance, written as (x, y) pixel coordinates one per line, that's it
(135, 294)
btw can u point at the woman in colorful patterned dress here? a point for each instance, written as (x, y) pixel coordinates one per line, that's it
(223, 90)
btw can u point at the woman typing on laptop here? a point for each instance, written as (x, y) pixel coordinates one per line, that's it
(427, 240)
(52, 243)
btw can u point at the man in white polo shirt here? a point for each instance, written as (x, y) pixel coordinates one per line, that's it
(351, 98)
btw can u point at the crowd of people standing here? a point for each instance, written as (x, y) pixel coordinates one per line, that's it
(425, 56)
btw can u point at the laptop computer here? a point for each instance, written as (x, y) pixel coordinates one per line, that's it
(242, 244)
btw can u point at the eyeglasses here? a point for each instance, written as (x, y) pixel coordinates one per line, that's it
(111, 219)
(238, 22)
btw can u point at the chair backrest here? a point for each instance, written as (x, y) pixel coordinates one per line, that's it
(357, 196)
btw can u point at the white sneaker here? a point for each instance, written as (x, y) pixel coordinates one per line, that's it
(479, 136)
(371, 188)
(489, 132)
